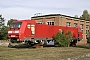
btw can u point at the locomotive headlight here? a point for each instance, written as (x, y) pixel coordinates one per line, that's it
(16, 31)
(9, 31)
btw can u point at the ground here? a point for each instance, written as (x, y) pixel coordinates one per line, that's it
(46, 53)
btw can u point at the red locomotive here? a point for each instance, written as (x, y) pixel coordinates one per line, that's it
(30, 32)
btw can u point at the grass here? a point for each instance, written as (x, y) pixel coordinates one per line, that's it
(47, 53)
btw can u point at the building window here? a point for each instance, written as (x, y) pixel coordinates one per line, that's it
(67, 23)
(87, 29)
(50, 22)
(39, 22)
(86, 36)
(81, 26)
(75, 24)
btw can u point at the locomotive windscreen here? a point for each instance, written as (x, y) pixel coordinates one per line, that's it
(16, 25)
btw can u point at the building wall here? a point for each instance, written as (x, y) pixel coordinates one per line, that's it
(61, 20)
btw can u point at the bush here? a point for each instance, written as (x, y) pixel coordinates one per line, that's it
(61, 40)
(4, 33)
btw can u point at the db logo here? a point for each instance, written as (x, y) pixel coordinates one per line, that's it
(60, 30)
(13, 32)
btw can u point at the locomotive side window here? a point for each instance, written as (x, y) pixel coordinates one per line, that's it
(32, 29)
(28, 26)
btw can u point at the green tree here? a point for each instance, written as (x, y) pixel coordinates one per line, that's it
(1, 22)
(69, 36)
(3, 29)
(4, 33)
(61, 40)
(85, 15)
(9, 22)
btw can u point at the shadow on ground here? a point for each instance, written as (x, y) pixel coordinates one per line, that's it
(24, 46)
(18, 46)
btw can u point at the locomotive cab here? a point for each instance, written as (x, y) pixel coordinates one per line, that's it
(14, 30)
(18, 30)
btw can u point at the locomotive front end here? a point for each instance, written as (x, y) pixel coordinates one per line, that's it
(14, 32)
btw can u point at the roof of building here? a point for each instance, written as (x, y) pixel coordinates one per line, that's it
(50, 15)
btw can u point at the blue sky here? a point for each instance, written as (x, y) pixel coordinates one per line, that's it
(24, 9)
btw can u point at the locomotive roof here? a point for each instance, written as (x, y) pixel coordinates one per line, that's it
(25, 21)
